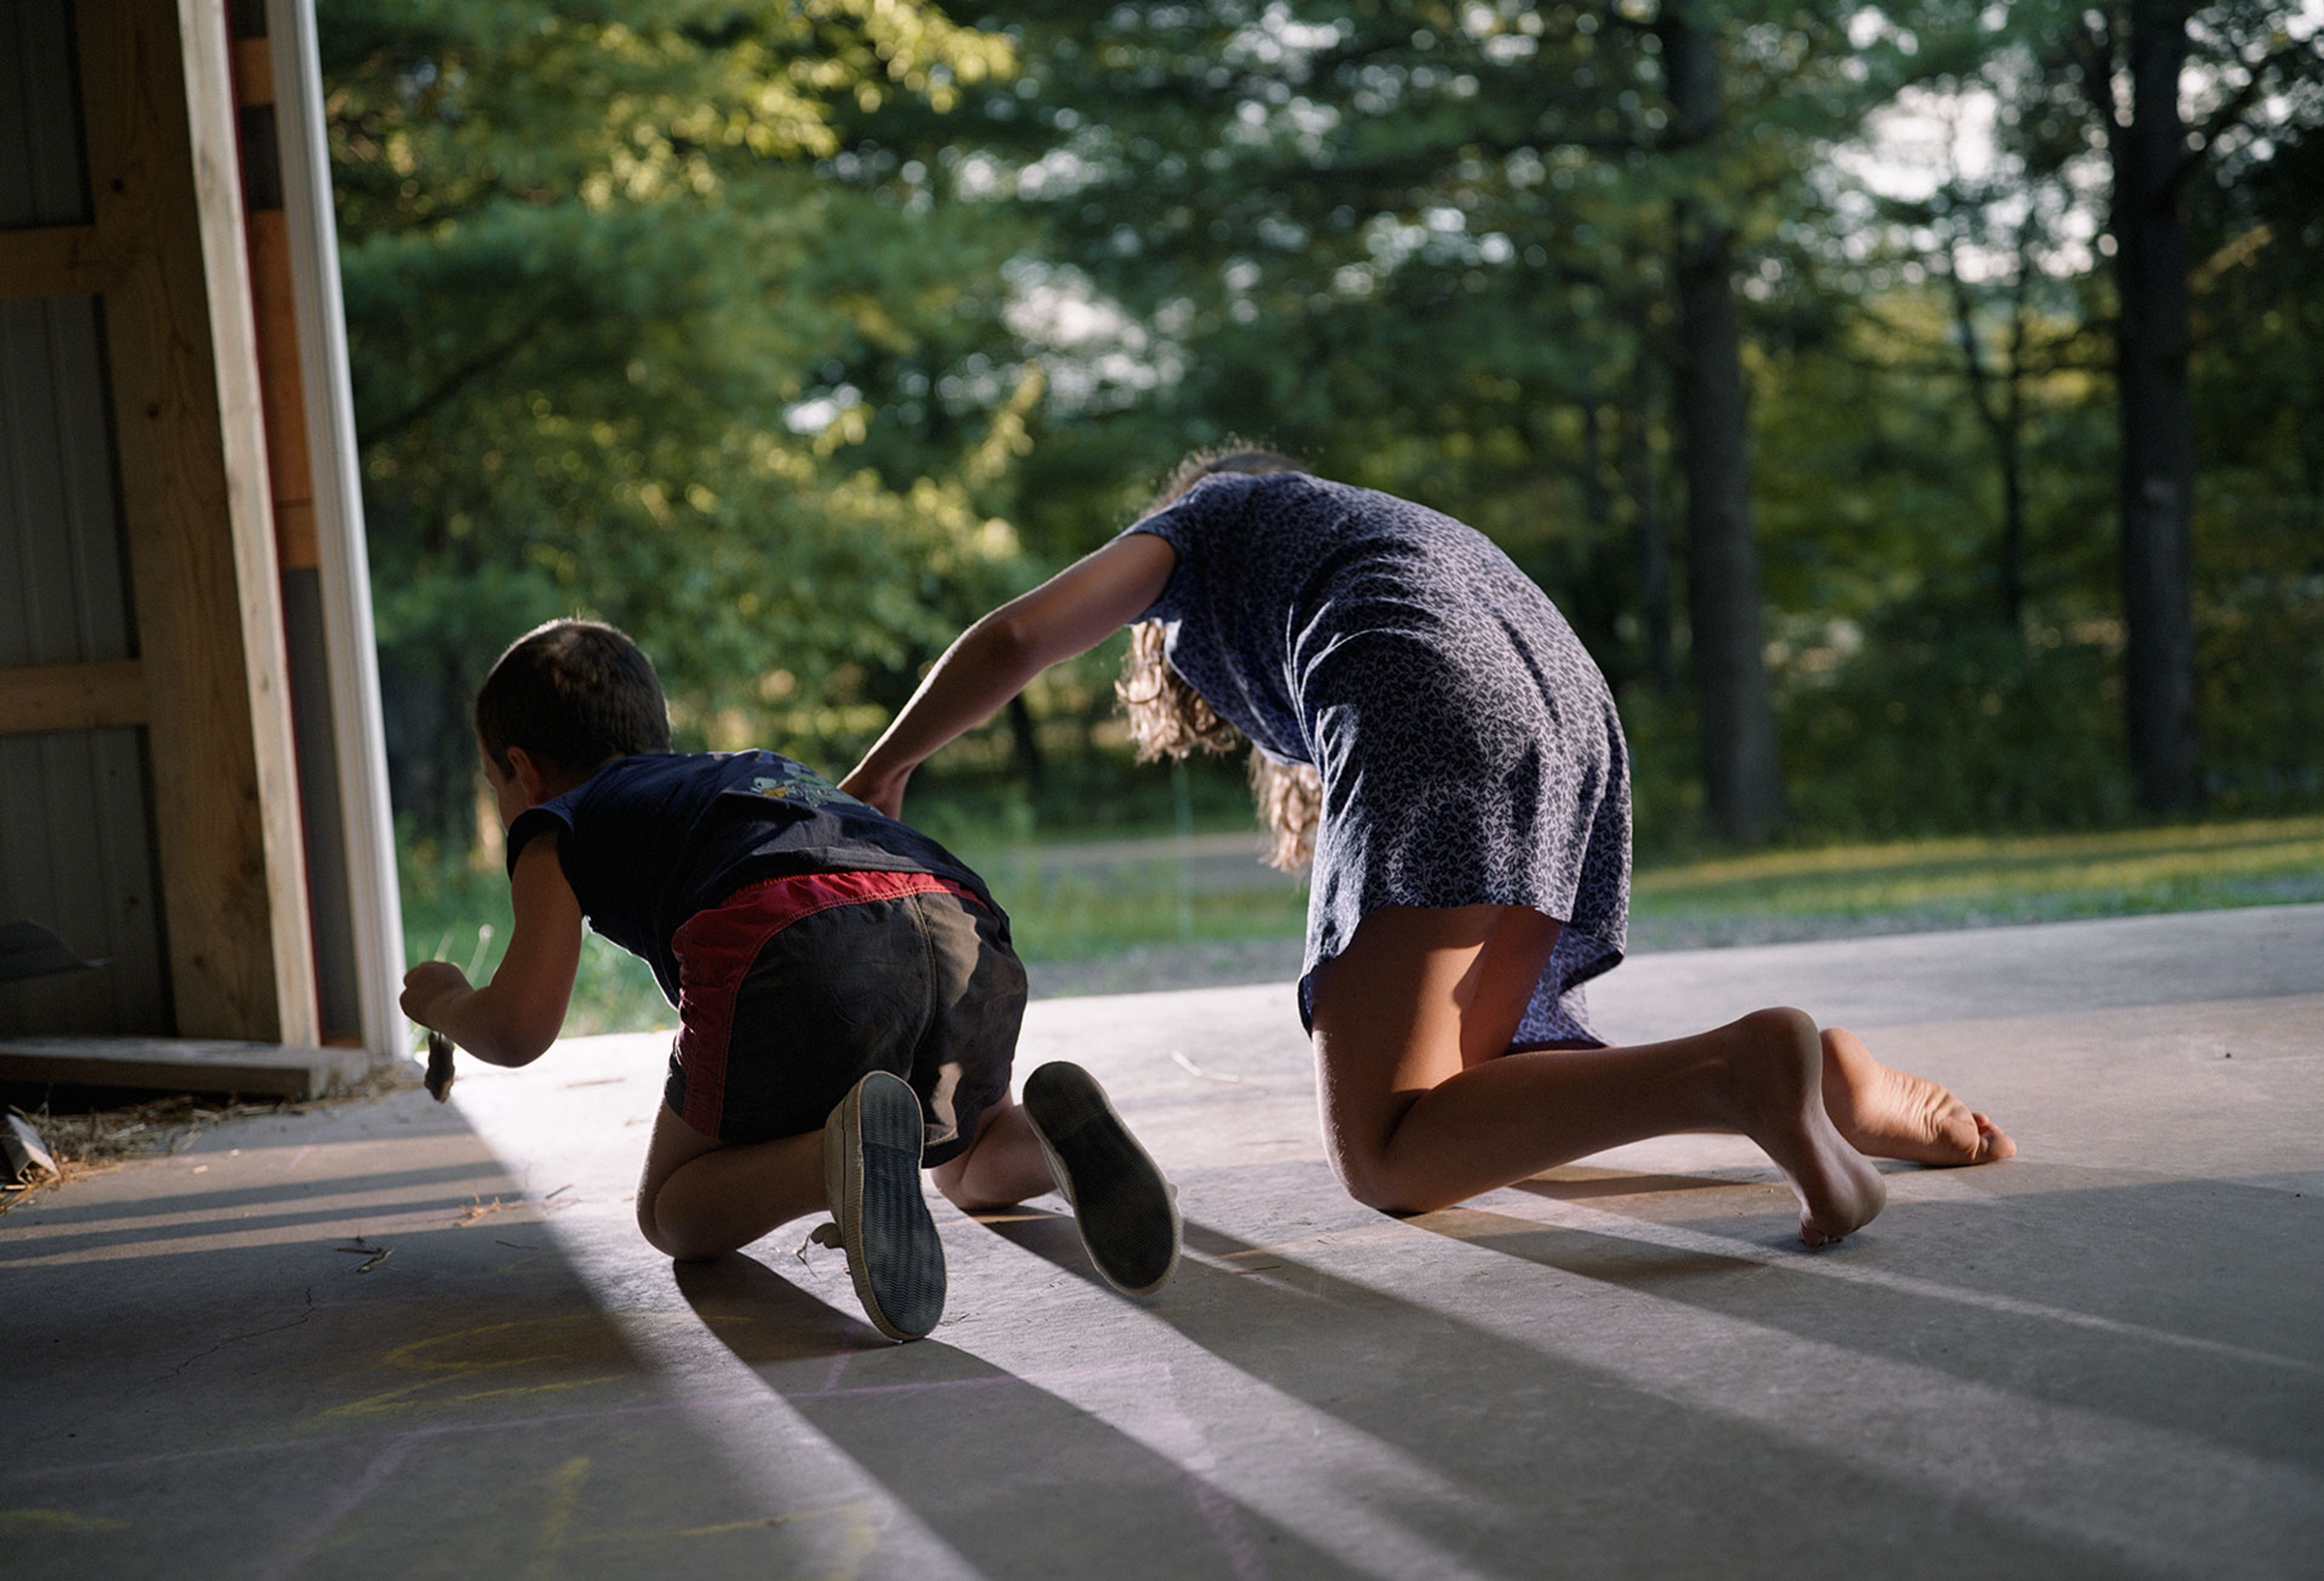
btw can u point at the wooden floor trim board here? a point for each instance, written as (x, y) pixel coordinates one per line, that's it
(190, 1065)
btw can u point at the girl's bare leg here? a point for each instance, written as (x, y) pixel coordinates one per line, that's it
(699, 1198)
(1890, 1114)
(1422, 1108)
(1003, 1167)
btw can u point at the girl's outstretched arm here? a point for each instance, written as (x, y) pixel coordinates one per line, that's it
(1071, 612)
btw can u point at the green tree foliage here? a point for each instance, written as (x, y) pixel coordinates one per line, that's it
(2128, 216)
(2258, 303)
(793, 336)
(1484, 255)
(597, 291)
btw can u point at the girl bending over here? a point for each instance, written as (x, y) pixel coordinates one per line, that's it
(1428, 731)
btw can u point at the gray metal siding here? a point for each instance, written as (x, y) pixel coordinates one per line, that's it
(76, 832)
(63, 573)
(44, 172)
(76, 854)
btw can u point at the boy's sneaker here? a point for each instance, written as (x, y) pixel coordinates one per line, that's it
(872, 1173)
(1127, 1212)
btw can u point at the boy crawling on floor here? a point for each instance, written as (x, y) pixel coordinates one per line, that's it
(848, 1002)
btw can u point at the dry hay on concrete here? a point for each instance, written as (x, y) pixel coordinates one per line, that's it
(98, 1139)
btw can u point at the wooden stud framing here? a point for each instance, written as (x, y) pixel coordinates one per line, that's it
(72, 696)
(254, 72)
(291, 471)
(342, 578)
(53, 260)
(273, 299)
(160, 111)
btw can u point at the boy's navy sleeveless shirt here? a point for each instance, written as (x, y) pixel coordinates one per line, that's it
(648, 841)
(1468, 745)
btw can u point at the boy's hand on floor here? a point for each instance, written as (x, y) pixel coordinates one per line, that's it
(427, 985)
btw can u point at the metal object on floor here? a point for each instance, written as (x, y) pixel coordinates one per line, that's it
(28, 950)
(22, 1147)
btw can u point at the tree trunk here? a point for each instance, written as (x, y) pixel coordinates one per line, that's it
(1597, 505)
(1025, 743)
(2003, 417)
(2158, 452)
(2012, 442)
(1650, 548)
(1595, 604)
(1742, 770)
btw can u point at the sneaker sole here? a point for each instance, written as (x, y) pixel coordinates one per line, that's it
(873, 1177)
(1123, 1204)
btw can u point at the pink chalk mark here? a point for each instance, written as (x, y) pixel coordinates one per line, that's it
(1218, 1512)
(383, 1466)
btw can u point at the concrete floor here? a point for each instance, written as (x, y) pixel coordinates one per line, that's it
(2103, 1358)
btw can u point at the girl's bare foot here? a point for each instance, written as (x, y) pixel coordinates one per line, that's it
(1890, 1114)
(1778, 1066)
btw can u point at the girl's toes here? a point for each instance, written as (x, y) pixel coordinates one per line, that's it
(1953, 1136)
(1993, 1143)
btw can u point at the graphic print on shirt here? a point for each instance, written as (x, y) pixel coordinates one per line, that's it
(801, 784)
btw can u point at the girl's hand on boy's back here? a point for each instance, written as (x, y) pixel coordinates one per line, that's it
(887, 794)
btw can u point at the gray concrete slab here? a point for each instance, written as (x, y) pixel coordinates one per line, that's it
(2102, 1358)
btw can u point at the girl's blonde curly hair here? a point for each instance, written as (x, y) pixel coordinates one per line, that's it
(1168, 717)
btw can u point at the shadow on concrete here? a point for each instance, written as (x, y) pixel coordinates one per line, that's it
(1572, 1184)
(1515, 1455)
(2097, 1362)
(1560, 1453)
(1050, 1236)
(215, 1202)
(1016, 1480)
(2231, 1300)
(236, 1394)
(246, 1223)
(764, 1319)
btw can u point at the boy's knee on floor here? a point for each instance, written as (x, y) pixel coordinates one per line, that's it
(677, 1242)
(649, 1223)
(670, 1240)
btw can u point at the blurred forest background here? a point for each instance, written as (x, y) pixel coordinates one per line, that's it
(1918, 409)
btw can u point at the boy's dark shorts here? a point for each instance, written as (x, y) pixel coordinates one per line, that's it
(793, 989)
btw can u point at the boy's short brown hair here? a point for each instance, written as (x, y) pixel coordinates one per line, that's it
(572, 693)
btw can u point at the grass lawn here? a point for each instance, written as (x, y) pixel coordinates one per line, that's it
(1927, 884)
(1086, 916)
(454, 913)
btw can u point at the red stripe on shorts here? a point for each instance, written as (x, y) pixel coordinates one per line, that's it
(715, 949)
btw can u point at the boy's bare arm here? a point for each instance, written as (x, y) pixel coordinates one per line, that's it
(514, 1018)
(1071, 612)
